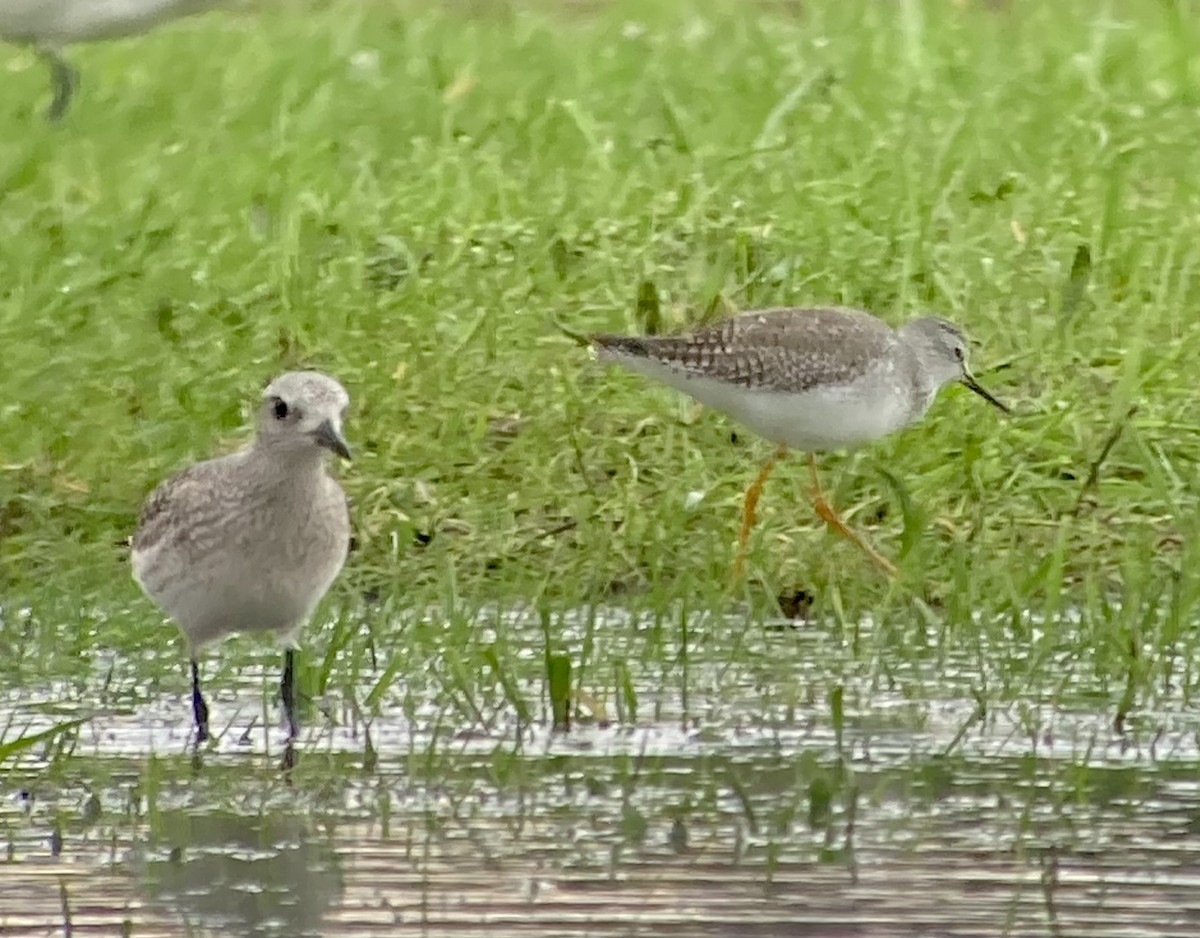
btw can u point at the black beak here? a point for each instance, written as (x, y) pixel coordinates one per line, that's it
(969, 380)
(330, 437)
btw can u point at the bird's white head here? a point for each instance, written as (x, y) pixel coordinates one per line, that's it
(301, 413)
(941, 348)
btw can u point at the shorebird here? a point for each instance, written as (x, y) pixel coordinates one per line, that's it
(817, 379)
(51, 25)
(250, 542)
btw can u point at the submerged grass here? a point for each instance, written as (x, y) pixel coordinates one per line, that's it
(411, 198)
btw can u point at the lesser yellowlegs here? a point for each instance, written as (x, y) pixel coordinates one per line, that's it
(809, 379)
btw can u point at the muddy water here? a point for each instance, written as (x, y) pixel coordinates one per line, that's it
(730, 814)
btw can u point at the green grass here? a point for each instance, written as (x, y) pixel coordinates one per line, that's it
(409, 197)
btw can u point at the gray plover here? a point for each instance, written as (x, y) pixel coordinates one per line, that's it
(250, 542)
(50, 25)
(808, 379)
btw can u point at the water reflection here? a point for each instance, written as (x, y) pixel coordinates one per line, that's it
(253, 876)
(731, 797)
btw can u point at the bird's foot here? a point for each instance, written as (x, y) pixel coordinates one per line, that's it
(827, 514)
(199, 707)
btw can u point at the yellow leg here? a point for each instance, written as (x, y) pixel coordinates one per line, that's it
(750, 510)
(834, 520)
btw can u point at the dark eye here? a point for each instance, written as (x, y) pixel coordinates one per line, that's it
(280, 408)
(958, 352)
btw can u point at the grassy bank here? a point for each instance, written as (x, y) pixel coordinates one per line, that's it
(405, 197)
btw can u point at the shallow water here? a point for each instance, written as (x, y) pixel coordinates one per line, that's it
(727, 807)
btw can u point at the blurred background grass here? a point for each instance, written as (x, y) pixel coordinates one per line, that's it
(405, 195)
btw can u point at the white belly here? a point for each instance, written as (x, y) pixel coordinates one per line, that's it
(827, 418)
(814, 421)
(213, 600)
(245, 578)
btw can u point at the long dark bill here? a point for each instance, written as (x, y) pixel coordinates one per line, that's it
(969, 381)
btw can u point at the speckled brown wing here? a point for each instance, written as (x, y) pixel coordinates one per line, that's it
(791, 349)
(190, 495)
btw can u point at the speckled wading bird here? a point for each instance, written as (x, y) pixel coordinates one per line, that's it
(51, 25)
(807, 379)
(250, 542)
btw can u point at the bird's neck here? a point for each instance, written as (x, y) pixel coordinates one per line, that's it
(300, 466)
(924, 392)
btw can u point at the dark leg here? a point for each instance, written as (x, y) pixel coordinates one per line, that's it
(64, 79)
(750, 510)
(287, 693)
(834, 520)
(199, 707)
(288, 761)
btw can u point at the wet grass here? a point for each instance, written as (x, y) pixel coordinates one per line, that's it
(838, 794)
(410, 198)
